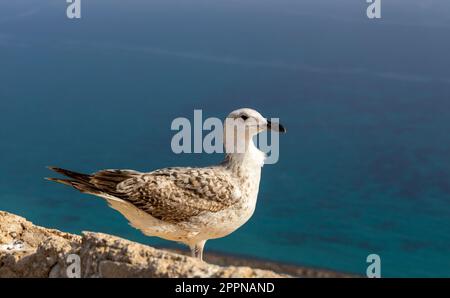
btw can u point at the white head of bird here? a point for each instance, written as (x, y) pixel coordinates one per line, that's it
(240, 127)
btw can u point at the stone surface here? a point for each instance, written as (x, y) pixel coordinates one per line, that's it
(27, 250)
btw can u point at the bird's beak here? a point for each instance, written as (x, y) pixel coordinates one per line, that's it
(275, 127)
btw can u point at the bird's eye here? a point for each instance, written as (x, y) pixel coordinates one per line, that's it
(244, 117)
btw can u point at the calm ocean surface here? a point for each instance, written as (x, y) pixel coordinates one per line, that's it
(364, 167)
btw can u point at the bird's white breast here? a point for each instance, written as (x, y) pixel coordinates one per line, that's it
(219, 224)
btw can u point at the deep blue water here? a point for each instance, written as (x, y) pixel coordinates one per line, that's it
(364, 167)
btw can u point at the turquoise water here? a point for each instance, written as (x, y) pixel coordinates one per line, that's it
(364, 167)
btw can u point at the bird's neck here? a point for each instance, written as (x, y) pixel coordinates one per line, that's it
(251, 160)
(246, 168)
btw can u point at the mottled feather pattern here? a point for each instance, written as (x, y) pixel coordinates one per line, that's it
(172, 194)
(176, 194)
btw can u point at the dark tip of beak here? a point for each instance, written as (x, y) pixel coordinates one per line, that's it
(276, 127)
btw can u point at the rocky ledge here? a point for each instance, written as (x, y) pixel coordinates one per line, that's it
(27, 250)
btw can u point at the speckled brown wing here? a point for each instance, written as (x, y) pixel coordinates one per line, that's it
(176, 194)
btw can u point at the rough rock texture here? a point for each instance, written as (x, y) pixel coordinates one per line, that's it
(27, 250)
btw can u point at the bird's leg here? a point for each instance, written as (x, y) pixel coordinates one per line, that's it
(197, 249)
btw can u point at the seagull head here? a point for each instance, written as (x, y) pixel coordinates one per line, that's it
(242, 125)
(252, 122)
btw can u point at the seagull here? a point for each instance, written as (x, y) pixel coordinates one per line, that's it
(189, 205)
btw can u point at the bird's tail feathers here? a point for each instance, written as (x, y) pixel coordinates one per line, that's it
(78, 185)
(78, 181)
(101, 183)
(71, 174)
